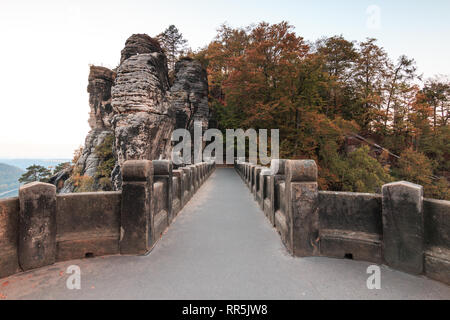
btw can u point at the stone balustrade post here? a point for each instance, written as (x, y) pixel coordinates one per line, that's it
(37, 225)
(403, 226)
(265, 172)
(179, 175)
(163, 171)
(303, 208)
(246, 172)
(251, 180)
(203, 171)
(186, 185)
(277, 176)
(136, 234)
(256, 184)
(194, 177)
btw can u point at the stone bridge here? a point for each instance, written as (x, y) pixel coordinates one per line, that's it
(277, 239)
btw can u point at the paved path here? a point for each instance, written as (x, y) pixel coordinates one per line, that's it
(219, 247)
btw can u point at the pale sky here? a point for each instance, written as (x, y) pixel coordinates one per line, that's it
(47, 46)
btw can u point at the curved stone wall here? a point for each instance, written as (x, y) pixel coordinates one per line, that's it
(40, 227)
(398, 228)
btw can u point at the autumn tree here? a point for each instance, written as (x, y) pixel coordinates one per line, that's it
(369, 74)
(398, 84)
(339, 57)
(437, 94)
(416, 167)
(267, 76)
(360, 172)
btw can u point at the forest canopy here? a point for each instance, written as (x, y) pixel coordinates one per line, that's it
(318, 94)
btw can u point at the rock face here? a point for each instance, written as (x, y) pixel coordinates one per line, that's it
(138, 110)
(139, 44)
(100, 116)
(99, 88)
(144, 118)
(189, 94)
(101, 81)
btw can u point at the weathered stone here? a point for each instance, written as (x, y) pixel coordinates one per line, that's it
(277, 200)
(303, 207)
(302, 171)
(194, 177)
(88, 224)
(436, 223)
(37, 225)
(139, 109)
(251, 180)
(189, 94)
(163, 171)
(267, 188)
(351, 211)
(101, 114)
(178, 193)
(403, 226)
(437, 264)
(136, 226)
(101, 80)
(137, 171)
(437, 239)
(144, 121)
(139, 44)
(60, 178)
(162, 167)
(351, 245)
(160, 214)
(256, 184)
(141, 85)
(9, 236)
(350, 225)
(187, 184)
(89, 160)
(277, 167)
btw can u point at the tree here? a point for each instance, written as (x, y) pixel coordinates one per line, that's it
(416, 167)
(62, 166)
(267, 76)
(369, 74)
(398, 83)
(359, 171)
(104, 152)
(173, 43)
(77, 155)
(339, 57)
(437, 93)
(35, 173)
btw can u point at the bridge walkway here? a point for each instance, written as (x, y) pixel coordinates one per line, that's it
(219, 247)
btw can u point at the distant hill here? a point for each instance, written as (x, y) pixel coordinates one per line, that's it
(12, 169)
(25, 163)
(9, 183)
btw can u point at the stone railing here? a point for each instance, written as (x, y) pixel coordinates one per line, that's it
(41, 227)
(398, 227)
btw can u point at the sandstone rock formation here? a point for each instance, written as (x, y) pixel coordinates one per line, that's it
(138, 110)
(99, 88)
(139, 44)
(144, 118)
(189, 94)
